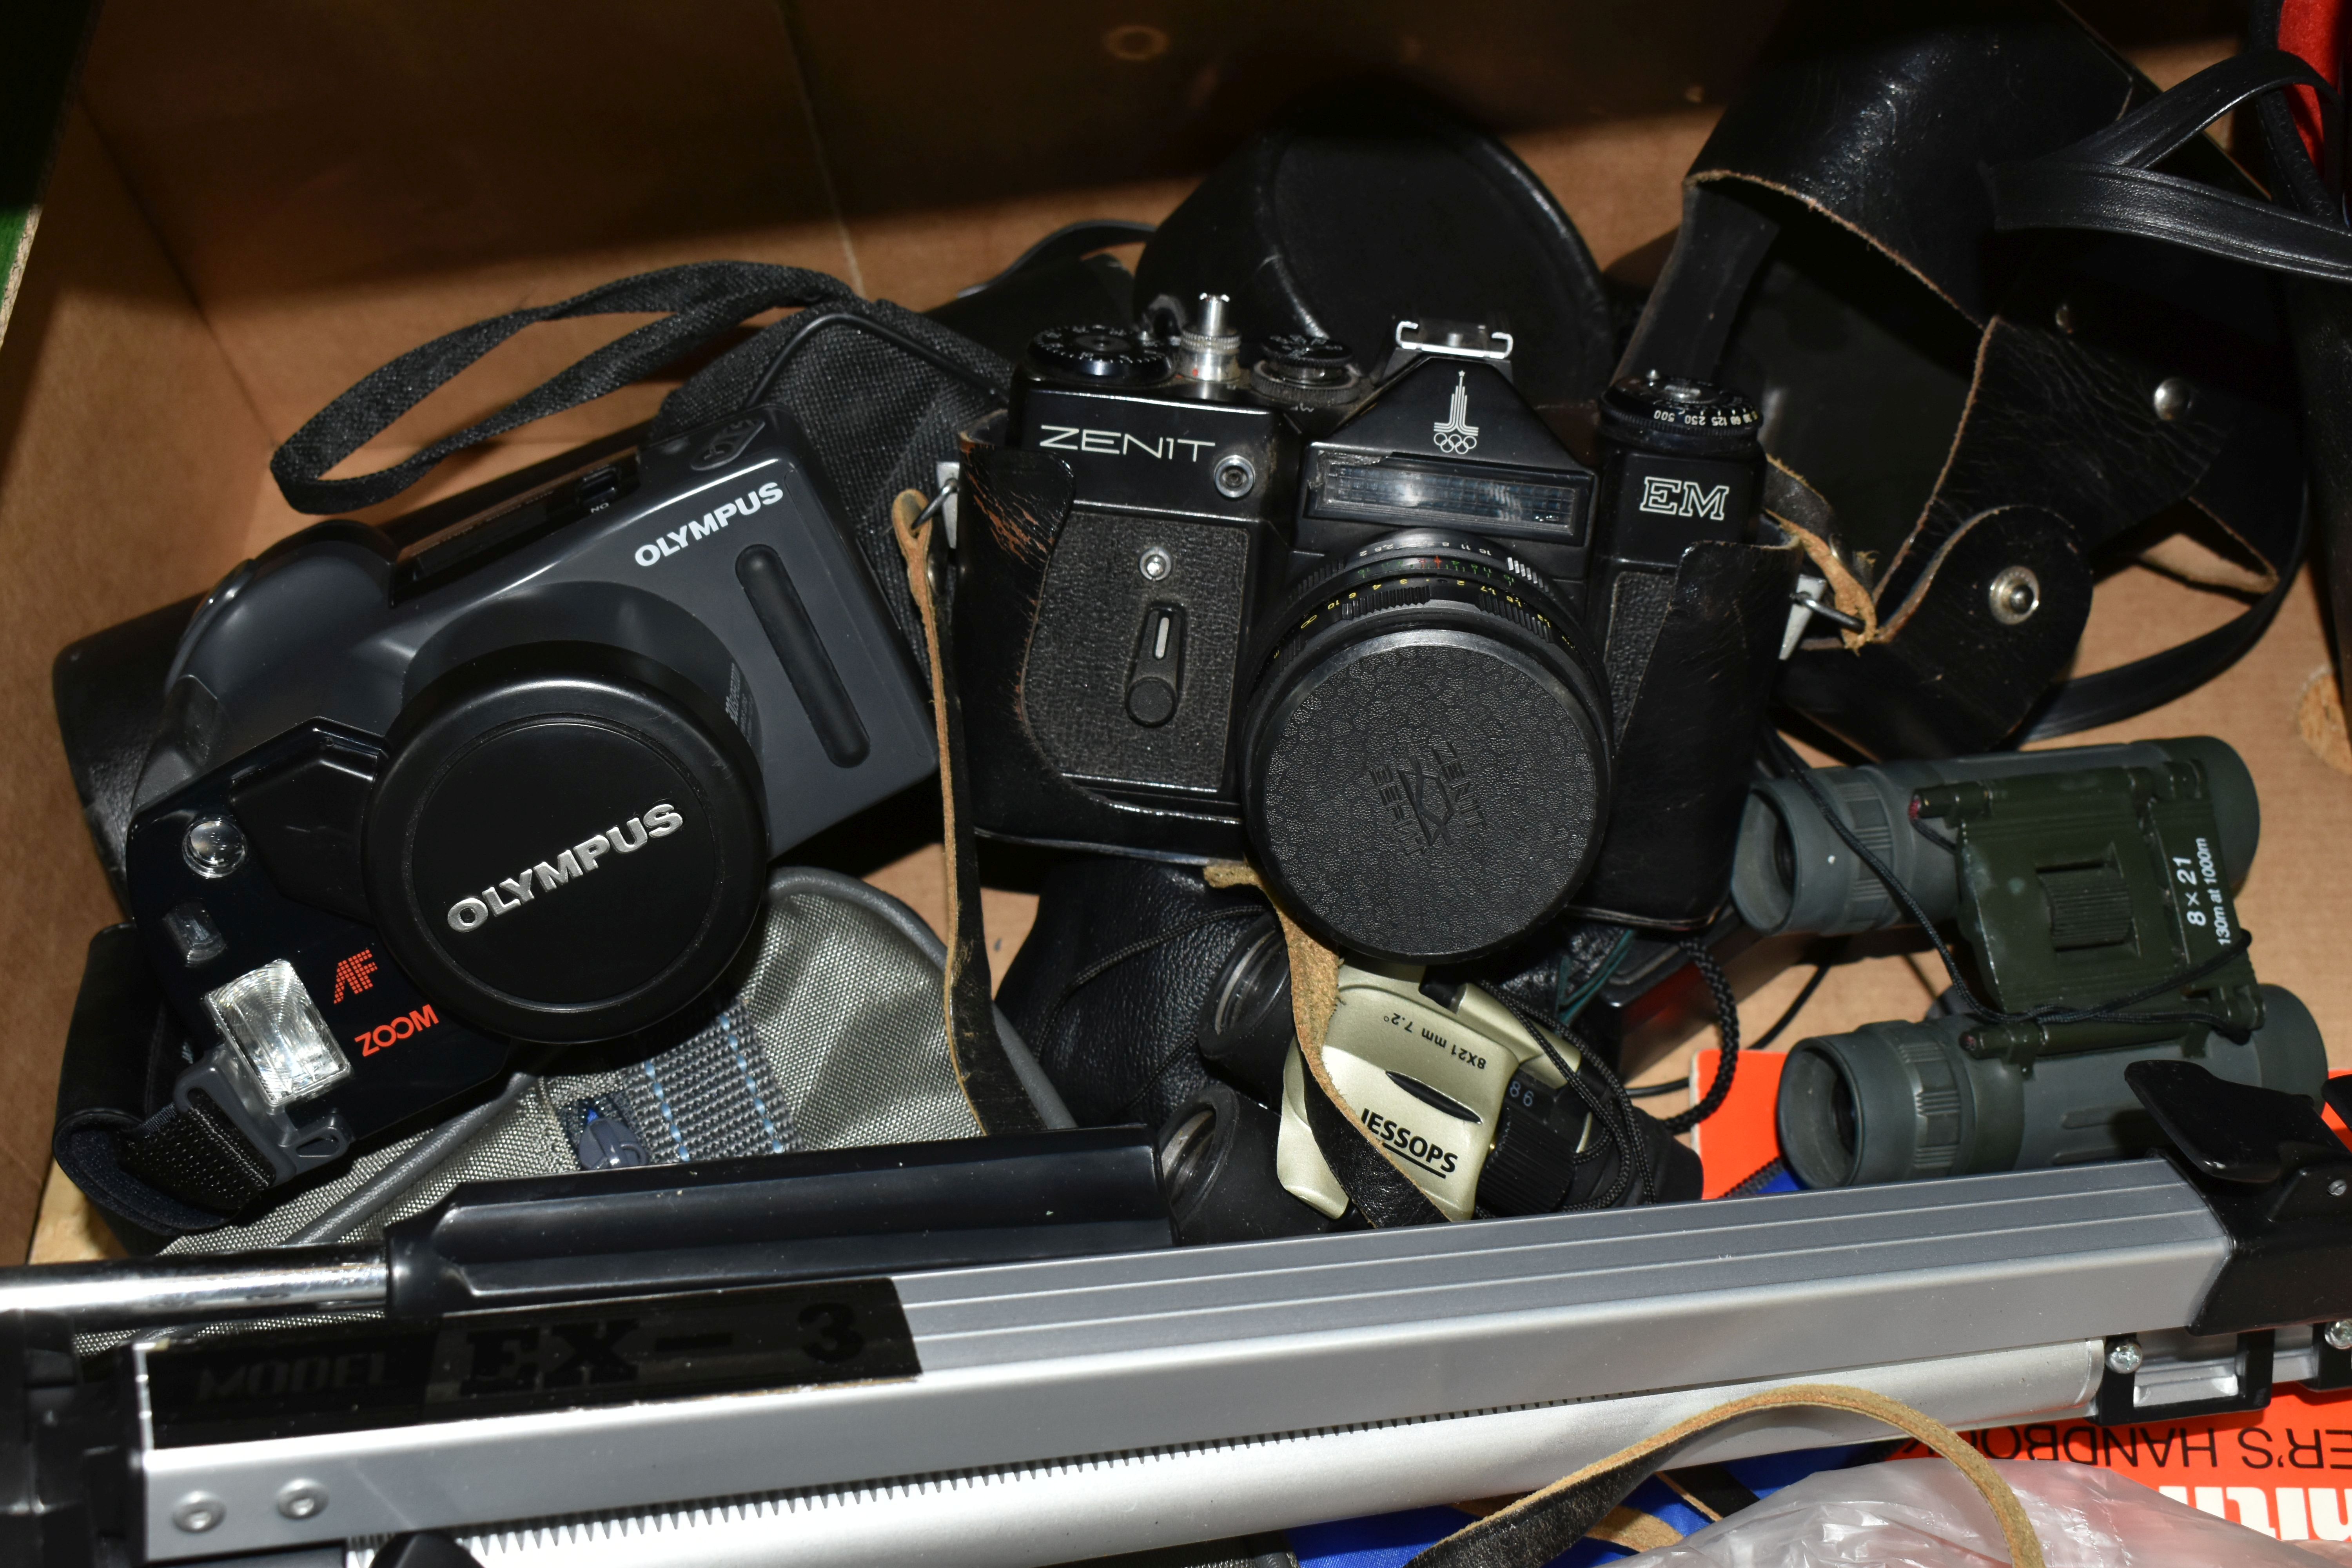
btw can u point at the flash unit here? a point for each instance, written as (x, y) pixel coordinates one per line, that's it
(267, 1016)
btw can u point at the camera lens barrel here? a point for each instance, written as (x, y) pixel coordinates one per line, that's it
(1792, 872)
(1425, 759)
(1898, 1102)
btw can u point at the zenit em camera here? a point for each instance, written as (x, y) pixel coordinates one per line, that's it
(512, 775)
(1388, 633)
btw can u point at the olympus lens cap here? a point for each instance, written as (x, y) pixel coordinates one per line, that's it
(565, 849)
(1426, 761)
(1100, 353)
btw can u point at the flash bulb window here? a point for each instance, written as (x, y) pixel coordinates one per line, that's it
(267, 1015)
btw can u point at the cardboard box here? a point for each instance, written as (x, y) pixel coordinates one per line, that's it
(250, 207)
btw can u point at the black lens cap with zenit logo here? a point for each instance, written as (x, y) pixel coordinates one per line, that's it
(566, 844)
(1425, 755)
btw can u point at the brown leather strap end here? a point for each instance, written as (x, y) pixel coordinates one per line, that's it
(990, 1086)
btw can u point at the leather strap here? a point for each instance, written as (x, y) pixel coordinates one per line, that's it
(990, 1086)
(2282, 135)
(2088, 701)
(1804, 514)
(700, 300)
(1803, 147)
(1634, 1531)
(1378, 1193)
(2107, 182)
(1543, 1524)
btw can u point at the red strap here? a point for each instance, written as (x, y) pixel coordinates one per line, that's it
(2315, 31)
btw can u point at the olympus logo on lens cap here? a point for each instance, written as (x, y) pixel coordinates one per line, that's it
(565, 854)
(507, 894)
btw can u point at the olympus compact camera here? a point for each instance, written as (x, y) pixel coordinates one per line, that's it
(424, 792)
(1388, 633)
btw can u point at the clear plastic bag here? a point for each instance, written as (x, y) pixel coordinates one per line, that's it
(1923, 1514)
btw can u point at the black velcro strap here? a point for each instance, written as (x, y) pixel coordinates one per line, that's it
(196, 1156)
(702, 299)
(88, 1149)
(1531, 1168)
(123, 1050)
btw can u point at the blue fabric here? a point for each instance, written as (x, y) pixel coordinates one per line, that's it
(1662, 1502)
(1767, 1473)
(1377, 1541)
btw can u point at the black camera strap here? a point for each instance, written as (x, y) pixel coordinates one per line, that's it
(119, 1136)
(878, 392)
(2108, 181)
(699, 301)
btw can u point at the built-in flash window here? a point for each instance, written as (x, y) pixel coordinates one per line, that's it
(267, 1016)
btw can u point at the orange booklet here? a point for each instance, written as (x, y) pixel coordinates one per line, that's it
(1738, 1143)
